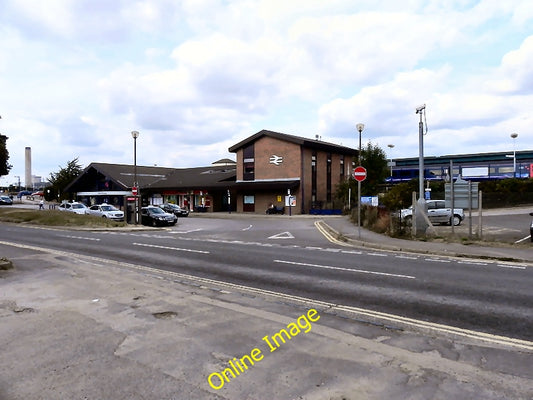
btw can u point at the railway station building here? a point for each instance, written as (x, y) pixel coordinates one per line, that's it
(272, 170)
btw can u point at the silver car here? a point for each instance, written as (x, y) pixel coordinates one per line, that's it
(106, 211)
(437, 213)
(78, 208)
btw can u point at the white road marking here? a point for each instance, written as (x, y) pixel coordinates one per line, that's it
(189, 231)
(437, 260)
(351, 252)
(282, 235)
(407, 257)
(171, 248)
(377, 254)
(511, 266)
(524, 239)
(480, 264)
(249, 227)
(361, 271)
(79, 237)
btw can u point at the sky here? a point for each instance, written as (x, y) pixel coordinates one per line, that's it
(195, 77)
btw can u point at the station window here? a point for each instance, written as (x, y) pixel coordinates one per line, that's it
(248, 163)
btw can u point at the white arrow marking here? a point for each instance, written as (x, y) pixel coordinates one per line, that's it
(282, 235)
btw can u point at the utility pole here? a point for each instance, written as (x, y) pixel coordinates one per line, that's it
(420, 209)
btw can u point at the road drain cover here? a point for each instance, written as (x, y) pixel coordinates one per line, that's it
(165, 314)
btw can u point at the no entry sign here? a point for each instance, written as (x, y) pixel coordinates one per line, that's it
(359, 173)
(134, 191)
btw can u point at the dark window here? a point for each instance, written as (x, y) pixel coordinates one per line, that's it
(248, 163)
(328, 179)
(313, 176)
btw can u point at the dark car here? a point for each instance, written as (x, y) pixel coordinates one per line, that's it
(24, 193)
(174, 209)
(154, 216)
(6, 201)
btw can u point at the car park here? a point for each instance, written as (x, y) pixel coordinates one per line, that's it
(438, 213)
(174, 209)
(155, 216)
(78, 208)
(105, 211)
(6, 201)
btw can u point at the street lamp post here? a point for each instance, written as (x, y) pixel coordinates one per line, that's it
(514, 136)
(360, 128)
(135, 135)
(391, 146)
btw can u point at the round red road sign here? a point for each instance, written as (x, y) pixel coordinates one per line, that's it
(134, 191)
(359, 173)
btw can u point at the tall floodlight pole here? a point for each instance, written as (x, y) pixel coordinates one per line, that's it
(360, 128)
(420, 110)
(135, 135)
(514, 136)
(420, 223)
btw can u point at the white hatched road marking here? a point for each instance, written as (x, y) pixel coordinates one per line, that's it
(361, 271)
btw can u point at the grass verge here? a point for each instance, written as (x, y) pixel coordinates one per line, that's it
(56, 218)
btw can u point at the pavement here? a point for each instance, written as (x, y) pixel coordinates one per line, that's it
(342, 229)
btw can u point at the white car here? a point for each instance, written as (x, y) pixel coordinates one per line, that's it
(78, 208)
(106, 211)
(437, 213)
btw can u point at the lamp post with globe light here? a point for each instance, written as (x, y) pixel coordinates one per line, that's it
(360, 128)
(135, 187)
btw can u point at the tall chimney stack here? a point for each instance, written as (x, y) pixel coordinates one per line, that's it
(28, 181)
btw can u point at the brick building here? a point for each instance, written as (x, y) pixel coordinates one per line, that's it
(272, 165)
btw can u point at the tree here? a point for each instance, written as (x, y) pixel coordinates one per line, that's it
(61, 179)
(374, 159)
(4, 156)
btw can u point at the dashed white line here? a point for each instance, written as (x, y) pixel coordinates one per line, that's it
(361, 271)
(170, 248)
(407, 257)
(511, 266)
(437, 260)
(351, 252)
(377, 254)
(79, 237)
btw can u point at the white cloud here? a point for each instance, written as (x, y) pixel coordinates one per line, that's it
(196, 76)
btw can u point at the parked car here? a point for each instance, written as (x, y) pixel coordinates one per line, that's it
(438, 213)
(154, 216)
(78, 208)
(174, 209)
(105, 211)
(23, 193)
(6, 201)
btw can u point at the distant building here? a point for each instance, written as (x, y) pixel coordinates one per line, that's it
(476, 167)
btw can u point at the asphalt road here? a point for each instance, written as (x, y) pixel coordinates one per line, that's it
(290, 256)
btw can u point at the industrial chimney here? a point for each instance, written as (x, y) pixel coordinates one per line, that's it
(28, 180)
